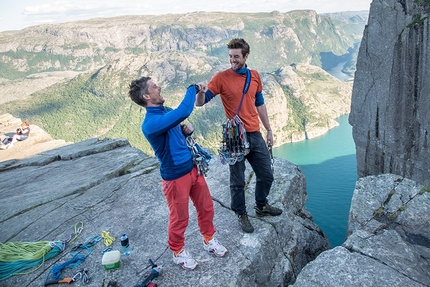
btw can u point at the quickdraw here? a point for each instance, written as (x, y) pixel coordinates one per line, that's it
(235, 145)
(200, 157)
(271, 158)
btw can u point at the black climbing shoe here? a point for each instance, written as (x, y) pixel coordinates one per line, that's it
(244, 223)
(267, 210)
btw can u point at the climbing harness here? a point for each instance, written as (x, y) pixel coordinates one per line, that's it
(200, 157)
(235, 145)
(16, 257)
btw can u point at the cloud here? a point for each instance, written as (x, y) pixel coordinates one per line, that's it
(43, 9)
(62, 11)
(114, 8)
(22, 15)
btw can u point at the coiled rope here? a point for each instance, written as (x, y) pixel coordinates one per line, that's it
(16, 257)
(107, 238)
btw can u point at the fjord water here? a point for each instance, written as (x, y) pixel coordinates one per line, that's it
(329, 165)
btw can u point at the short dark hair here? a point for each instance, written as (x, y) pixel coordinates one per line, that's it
(239, 43)
(138, 88)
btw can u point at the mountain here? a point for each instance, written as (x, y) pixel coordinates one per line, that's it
(388, 236)
(72, 79)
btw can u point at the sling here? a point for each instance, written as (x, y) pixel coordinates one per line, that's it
(235, 145)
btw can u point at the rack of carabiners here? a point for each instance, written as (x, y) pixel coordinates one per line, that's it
(200, 157)
(235, 144)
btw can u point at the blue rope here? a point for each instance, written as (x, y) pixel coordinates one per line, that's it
(77, 257)
(13, 255)
(9, 269)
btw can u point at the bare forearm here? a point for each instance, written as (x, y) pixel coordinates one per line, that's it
(262, 113)
(200, 97)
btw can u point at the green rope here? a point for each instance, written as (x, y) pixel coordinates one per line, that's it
(15, 257)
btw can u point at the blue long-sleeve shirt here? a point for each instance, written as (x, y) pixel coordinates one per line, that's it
(163, 131)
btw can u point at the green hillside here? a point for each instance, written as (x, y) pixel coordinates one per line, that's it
(176, 51)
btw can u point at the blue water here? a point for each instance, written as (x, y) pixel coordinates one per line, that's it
(329, 165)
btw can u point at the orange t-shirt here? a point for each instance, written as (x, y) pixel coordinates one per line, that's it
(229, 85)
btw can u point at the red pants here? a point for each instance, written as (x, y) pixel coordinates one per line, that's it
(177, 193)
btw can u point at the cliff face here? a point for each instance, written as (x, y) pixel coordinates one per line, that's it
(388, 238)
(390, 100)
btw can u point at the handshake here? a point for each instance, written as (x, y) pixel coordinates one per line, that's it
(199, 87)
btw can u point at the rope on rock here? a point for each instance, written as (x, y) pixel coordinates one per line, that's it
(77, 257)
(16, 257)
(107, 238)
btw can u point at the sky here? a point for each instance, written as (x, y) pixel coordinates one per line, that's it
(19, 14)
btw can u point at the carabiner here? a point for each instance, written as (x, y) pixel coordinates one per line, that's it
(75, 277)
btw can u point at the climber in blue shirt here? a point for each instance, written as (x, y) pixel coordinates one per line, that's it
(181, 179)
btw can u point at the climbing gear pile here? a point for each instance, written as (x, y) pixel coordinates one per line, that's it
(200, 157)
(235, 145)
(78, 256)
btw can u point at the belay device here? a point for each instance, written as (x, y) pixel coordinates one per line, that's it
(235, 145)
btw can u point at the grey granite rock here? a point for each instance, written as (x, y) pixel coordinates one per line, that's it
(107, 185)
(388, 240)
(391, 92)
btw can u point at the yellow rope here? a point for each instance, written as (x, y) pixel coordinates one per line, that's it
(13, 251)
(107, 239)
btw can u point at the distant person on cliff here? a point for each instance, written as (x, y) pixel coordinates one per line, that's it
(231, 85)
(22, 133)
(180, 177)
